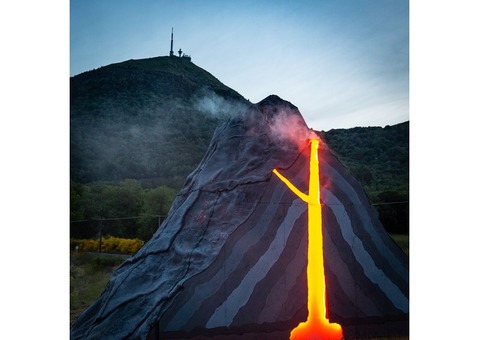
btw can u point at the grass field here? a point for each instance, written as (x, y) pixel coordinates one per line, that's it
(89, 273)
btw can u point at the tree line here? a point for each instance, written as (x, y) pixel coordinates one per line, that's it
(124, 209)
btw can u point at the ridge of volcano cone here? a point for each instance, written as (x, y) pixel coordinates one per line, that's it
(277, 102)
(273, 105)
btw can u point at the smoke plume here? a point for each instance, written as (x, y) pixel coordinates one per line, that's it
(291, 128)
(210, 103)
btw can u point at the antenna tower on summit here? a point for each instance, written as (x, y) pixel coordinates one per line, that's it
(180, 52)
(171, 45)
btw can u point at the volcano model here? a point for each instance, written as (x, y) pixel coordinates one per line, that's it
(230, 260)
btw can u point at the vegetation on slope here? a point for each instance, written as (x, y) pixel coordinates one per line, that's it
(149, 119)
(379, 159)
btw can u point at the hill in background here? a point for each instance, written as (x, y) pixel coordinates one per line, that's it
(379, 159)
(149, 119)
(152, 120)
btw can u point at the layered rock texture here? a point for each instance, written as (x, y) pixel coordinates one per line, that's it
(229, 261)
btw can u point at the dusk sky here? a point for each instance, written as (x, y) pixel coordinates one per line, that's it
(342, 63)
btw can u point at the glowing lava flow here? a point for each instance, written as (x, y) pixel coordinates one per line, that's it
(317, 325)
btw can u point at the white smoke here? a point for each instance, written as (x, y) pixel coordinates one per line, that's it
(212, 104)
(289, 127)
(285, 127)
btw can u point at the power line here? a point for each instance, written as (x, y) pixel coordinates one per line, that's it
(116, 218)
(151, 215)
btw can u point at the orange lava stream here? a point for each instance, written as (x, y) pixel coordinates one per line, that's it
(317, 325)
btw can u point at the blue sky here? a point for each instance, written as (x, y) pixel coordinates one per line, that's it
(342, 63)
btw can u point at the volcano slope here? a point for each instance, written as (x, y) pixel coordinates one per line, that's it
(229, 261)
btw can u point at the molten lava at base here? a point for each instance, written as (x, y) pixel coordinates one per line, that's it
(317, 325)
(316, 329)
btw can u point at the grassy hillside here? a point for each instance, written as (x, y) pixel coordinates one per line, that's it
(149, 119)
(379, 159)
(89, 273)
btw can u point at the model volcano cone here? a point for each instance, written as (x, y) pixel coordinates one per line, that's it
(230, 260)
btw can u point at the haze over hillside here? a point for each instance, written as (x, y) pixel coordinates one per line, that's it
(152, 120)
(149, 119)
